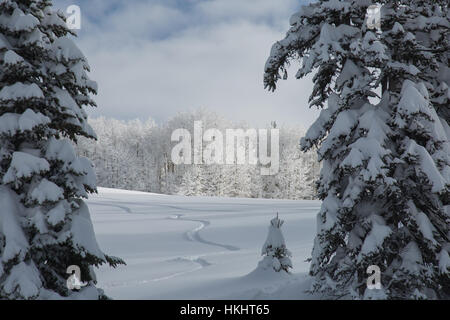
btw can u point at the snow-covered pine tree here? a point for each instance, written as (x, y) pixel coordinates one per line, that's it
(45, 227)
(276, 255)
(417, 35)
(386, 175)
(433, 31)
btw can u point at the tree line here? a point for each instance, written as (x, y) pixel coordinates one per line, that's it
(136, 155)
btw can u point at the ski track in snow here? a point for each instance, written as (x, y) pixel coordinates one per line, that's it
(199, 255)
(194, 234)
(190, 235)
(126, 209)
(201, 264)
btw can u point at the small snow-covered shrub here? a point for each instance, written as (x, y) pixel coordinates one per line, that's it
(275, 253)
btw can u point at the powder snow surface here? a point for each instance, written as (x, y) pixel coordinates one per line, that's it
(197, 247)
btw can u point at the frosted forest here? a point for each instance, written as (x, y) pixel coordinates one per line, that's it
(135, 155)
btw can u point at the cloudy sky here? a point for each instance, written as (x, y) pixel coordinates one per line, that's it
(154, 58)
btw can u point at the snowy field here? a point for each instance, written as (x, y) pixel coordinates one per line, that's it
(197, 247)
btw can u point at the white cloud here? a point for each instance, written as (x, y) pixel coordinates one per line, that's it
(154, 58)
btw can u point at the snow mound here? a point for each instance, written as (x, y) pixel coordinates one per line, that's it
(265, 270)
